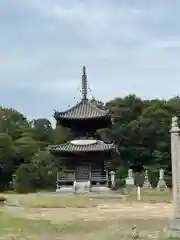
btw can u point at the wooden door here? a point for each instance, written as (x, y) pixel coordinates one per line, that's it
(82, 171)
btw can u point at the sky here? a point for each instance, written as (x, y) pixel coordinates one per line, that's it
(127, 46)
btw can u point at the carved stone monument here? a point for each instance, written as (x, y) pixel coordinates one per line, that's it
(146, 183)
(174, 226)
(130, 179)
(161, 184)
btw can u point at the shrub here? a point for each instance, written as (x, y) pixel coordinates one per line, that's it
(121, 172)
(120, 183)
(139, 179)
(26, 179)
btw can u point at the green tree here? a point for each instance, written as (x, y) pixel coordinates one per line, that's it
(11, 121)
(25, 148)
(62, 134)
(7, 163)
(42, 132)
(140, 131)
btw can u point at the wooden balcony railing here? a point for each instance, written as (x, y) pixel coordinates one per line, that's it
(67, 176)
(96, 176)
(70, 176)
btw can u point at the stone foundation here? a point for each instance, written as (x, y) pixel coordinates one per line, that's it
(174, 228)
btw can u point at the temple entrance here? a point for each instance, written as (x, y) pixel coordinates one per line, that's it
(83, 172)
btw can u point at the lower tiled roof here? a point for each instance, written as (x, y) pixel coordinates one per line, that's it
(70, 147)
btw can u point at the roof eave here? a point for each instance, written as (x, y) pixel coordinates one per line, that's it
(82, 151)
(61, 117)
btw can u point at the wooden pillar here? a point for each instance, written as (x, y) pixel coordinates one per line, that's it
(107, 178)
(106, 166)
(90, 171)
(57, 183)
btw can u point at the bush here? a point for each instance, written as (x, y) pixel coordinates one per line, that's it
(121, 172)
(154, 178)
(120, 183)
(26, 179)
(47, 167)
(47, 178)
(139, 179)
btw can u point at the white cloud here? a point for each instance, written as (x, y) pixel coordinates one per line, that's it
(127, 47)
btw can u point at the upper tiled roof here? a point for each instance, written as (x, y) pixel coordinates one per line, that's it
(70, 147)
(83, 110)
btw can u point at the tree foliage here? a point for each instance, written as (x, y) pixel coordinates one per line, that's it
(140, 130)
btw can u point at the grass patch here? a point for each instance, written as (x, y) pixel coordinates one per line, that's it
(151, 195)
(40, 200)
(81, 225)
(21, 228)
(45, 200)
(17, 224)
(115, 229)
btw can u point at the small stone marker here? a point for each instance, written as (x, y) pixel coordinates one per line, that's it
(138, 193)
(161, 184)
(146, 183)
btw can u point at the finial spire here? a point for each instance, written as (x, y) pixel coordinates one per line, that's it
(84, 84)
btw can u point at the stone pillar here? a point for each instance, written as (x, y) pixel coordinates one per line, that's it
(146, 184)
(112, 176)
(130, 179)
(174, 226)
(161, 184)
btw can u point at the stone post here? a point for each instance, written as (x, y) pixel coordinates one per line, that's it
(112, 176)
(161, 184)
(174, 226)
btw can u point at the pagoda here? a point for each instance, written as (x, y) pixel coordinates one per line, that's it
(87, 157)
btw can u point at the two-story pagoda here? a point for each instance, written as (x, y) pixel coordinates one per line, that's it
(86, 157)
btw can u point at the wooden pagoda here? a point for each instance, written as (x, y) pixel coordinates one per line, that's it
(86, 158)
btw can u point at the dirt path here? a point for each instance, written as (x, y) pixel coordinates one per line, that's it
(102, 212)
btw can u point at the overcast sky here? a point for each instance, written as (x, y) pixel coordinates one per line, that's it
(128, 46)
